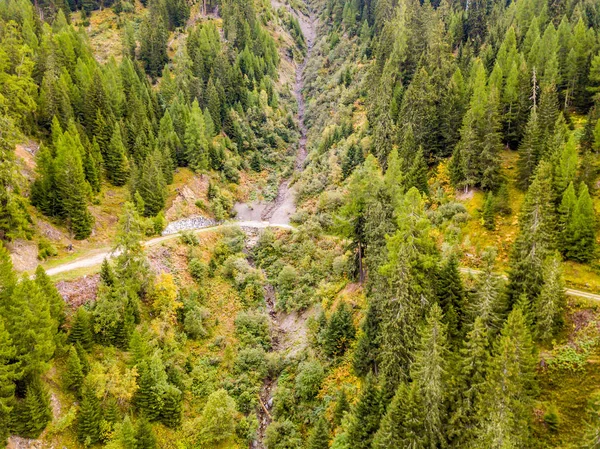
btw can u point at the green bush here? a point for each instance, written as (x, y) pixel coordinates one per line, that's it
(198, 269)
(253, 329)
(46, 249)
(195, 322)
(189, 238)
(308, 380)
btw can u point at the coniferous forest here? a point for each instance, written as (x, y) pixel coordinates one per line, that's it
(299, 224)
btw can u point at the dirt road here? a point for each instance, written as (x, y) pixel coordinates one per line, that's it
(96, 258)
(568, 291)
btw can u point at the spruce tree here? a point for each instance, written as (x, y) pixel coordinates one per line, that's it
(429, 373)
(74, 372)
(7, 377)
(127, 434)
(417, 174)
(402, 423)
(71, 186)
(581, 230)
(365, 416)
(488, 302)
(196, 144)
(89, 418)
(551, 302)
(172, 403)
(57, 303)
(151, 185)
(115, 160)
(506, 408)
(565, 213)
(107, 275)
(451, 296)
(319, 437)
(468, 385)
(340, 332)
(144, 435)
(342, 406)
(31, 327)
(536, 239)
(489, 212)
(33, 413)
(530, 150)
(81, 329)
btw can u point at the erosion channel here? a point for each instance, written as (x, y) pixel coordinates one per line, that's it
(287, 330)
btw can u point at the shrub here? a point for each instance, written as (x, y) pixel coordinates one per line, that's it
(194, 322)
(252, 361)
(308, 380)
(198, 269)
(189, 238)
(552, 418)
(46, 249)
(253, 329)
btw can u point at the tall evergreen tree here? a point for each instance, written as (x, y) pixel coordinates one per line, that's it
(469, 383)
(72, 188)
(8, 375)
(81, 329)
(196, 144)
(55, 300)
(550, 304)
(429, 373)
(89, 418)
(74, 372)
(365, 416)
(451, 296)
(580, 232)
(536, 239)
(151, 185)
(319, 438)
(506, 409)
(115, 159)
(339, 332)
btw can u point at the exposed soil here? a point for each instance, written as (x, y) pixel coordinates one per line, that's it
(279, 210)
(288, 330)
(80, 291)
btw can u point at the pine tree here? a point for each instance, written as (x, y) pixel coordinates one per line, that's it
(151, 185)
(340, 332)
(488, 214)
(74, 373)
(506, 409)
(81, 329)
(144, 435)
(319, 438)
(536, 239)
(565, 213)
(365, 416)
(551, 303)
(451, 296)
(429, 373)
(581, 229)
(7, 376)
(89, 418)
(469, 385)
(33, 413)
